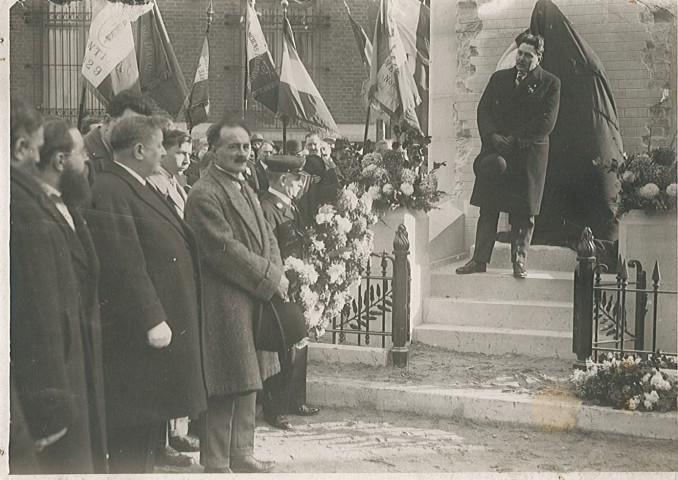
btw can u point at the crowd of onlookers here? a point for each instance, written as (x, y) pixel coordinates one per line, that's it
(140, 261)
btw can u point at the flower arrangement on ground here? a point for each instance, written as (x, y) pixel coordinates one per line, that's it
(339, 245)
(628, 382)
(648, 181)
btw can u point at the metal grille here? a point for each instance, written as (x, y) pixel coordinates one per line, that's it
(64, 34)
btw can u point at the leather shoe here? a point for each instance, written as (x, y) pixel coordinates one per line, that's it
(249, 464)
(306, 411)
(171, 458)
(218, 470)
(519, 270)
(185, 443)
(278, 421)
(472, 267)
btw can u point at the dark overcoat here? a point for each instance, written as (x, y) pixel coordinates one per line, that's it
(47, 360)
(241, 267)
(528, 113)
(149, 274)
(286, 223)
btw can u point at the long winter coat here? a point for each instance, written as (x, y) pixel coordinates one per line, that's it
(527, 112)
(241, 267)
(47, 360)
(149, 274)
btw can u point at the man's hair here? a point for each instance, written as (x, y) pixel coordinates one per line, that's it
(87, 123)
(537, 41)
(129, 100)
(132, 130)
(268, 142)
(58, 138)
(174, 137)
(214, 132)
(311, 134)
(24, 120)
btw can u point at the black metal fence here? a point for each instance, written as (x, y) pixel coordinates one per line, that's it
(381, 304)
(604, 320)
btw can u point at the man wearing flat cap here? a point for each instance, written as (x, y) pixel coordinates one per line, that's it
(516, 114)
(285, 392)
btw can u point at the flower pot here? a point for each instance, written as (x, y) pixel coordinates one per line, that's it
(650, 237)
(416, 222)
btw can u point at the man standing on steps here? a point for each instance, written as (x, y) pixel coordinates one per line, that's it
(516, 114)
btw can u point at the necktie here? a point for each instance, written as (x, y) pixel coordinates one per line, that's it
(175, 196)
(519, 78)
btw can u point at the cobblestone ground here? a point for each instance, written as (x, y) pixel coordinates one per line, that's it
(349, 441)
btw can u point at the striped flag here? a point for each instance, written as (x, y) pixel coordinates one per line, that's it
(261, 74)
(110, 62)
(364, 44)
(298, 97)
(199, 99)
(391, 86)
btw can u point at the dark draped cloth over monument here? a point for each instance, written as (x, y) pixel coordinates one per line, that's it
(579, 192)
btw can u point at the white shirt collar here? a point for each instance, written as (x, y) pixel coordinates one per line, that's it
(141, 179)
(280, 195)
(49, 189)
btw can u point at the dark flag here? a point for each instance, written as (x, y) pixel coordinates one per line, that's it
(261, 74)
(199, 100)
(364, 44)
(298, 97)
(579, 192)
(160, 75)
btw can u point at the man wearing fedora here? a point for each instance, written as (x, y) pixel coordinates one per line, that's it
(285, 392)
(516, 114)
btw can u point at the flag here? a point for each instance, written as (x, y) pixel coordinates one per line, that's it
(160, 75)
(261, 74)
(391, 87)
(298, 97)
(364, 44)
(199, 99)
(110, 63)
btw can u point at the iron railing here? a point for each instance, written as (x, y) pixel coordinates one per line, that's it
(380, 307)
(601, 322)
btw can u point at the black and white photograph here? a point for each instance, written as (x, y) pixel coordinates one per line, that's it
(339, 237)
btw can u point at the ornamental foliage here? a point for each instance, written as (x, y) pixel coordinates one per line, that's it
(630, 382)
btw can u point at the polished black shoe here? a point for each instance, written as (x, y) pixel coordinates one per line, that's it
(503, 237)
(249, 464)
(519, 270)
(306, 411)
(472, 267)
(218, 470)
(169, 457)
(278, 421)
(185, 443)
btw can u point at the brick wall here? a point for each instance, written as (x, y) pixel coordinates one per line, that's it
(636, 43)
(25, 75)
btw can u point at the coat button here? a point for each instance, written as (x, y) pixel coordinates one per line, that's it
(174, 259)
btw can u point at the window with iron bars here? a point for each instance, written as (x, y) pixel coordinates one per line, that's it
(64, 31)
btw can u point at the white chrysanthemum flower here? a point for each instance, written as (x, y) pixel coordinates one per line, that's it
(308, 297)
(343, 224)
(324, 217)
(318, 245)
(648, 191)
(370, 159)
(646, 378)
(336, 272)
(345, 255)
(651, 399)
(408, 176)
(633, 402)
(374, 192)
(672, 190)
(629, 176)
(407, 189)
(387, 189)
(659, 383)
(370, 169)
(348, 199)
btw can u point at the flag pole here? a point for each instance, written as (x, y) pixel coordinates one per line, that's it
(367, 125)
(246, 76)
(210, 17)
(284, 4)
(81, 108)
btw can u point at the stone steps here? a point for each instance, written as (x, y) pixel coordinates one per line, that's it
(539, 257)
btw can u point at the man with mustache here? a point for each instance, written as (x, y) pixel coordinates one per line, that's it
(516, 114)
(55, 346)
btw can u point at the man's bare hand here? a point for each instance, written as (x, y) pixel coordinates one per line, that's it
(159, 336)
(283, 286)
(501, 143)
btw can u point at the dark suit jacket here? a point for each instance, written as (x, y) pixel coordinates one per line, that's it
(286, 223)
(149, 274)
(241, 268)
(527, 112)
(47, 360)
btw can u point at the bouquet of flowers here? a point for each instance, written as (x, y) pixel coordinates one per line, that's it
(630, 382)
(648, 181)
(338, 246)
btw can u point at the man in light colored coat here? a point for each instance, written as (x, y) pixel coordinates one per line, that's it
(241, 268)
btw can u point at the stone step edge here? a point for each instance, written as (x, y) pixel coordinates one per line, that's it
(542, 411)
(503, 303)
(494, 330)
(449, 271)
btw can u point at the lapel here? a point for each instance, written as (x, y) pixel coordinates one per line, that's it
(86, 252)
(153, 200)
(247, 214)
(530, 84)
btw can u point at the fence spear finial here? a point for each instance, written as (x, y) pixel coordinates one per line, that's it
(586, 247)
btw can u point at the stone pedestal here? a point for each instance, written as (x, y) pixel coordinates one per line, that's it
(649, 238)
(417, 225)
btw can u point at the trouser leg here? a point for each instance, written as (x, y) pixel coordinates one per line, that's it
(298, 379)
(242, 430)
(132, 448)
(277, 389)
(522, 227)
(486, 231)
